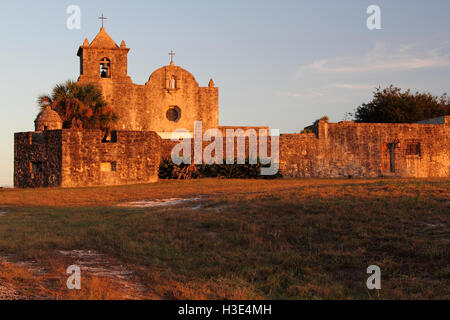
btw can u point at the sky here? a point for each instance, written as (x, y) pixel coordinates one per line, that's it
(281, 63)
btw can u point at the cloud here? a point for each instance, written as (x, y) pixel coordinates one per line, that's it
(383, 58)
(353, 86)
(310, 95)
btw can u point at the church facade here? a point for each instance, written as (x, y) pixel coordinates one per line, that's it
(171, 98)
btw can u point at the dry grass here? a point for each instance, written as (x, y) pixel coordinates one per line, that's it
(52, 283)
(105, 196)
(282, 239)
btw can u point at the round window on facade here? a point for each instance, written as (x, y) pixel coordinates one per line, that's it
(173, 114)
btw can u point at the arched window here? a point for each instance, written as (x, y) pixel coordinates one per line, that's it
(173, 83)
(105, 68)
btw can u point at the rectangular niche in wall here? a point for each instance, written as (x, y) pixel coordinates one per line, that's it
(36, 167)
(110, 137)
(108, 166)
(413, 148)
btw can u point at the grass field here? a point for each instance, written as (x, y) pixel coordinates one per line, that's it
(243, 239)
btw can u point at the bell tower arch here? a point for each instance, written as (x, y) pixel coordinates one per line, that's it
(103, 60)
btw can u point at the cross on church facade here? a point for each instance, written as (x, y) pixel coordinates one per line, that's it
(171, 54)
(102, 18)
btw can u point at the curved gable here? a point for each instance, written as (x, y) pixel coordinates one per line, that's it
(164, 75)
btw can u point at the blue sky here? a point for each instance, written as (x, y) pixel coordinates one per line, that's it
(277, 63)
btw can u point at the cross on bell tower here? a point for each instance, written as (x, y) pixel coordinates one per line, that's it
(171, 54)
(102, 18)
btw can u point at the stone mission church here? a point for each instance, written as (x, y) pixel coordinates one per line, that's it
(172, 99)
(169, 100)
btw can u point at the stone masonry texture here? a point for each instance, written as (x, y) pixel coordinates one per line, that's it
(75, 158)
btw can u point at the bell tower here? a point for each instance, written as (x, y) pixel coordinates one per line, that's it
(103, 60)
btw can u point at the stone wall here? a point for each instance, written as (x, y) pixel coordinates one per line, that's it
(73, 158)
(89, 161)
(300, 155)
(367, 150)
(349, 149)
(248, 133)
(37, 159)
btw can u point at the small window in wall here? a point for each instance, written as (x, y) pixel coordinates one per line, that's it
(105, 68)
(413, 149)
(108, 166)
(110, 137)
(36, 167)
(173, 114)
(35, 137)
(173, 82)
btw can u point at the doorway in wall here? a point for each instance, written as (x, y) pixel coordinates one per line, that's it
(388, 160)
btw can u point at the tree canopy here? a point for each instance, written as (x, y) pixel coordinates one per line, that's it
(391, 105)
(79, 106)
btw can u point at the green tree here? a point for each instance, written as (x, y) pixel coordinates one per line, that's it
(391, 105)
(79, 106)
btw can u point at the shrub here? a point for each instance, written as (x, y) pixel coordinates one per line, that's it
(169, 170)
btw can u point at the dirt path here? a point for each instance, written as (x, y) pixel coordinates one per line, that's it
(102, 277)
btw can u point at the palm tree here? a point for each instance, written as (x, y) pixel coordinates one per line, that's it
(79, 106)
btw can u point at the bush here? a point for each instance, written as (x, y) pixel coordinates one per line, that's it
(169, 170)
